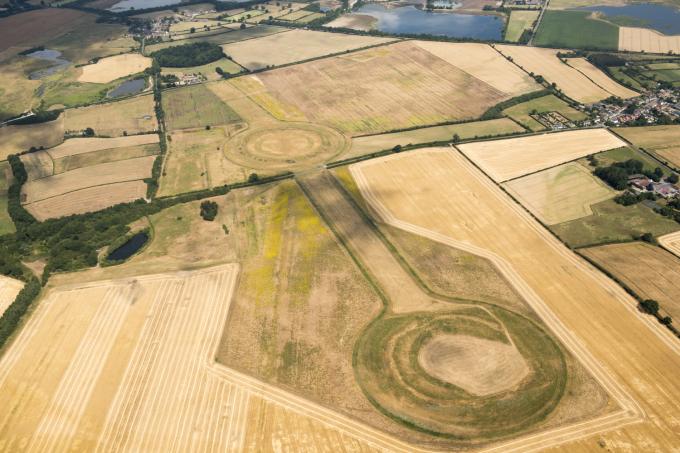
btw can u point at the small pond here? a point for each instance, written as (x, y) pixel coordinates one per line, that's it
(127, 88)
(662, 18)
(128, 249)
(410, 20)
(53, 56)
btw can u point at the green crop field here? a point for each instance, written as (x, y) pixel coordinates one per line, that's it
(195, 106)
(6, 224)
(518, 22)
(550, 103)
(573, 29)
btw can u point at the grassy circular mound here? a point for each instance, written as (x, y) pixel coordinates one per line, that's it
(393, 374)
(289, 146)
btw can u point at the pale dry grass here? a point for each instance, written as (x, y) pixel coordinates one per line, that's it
(645, 40)
(75, 146)
(479, 366)
(113, 119)
(131, 368)
(90, 199)
(375, 90)
(362, 22)
(292, 46)
(81, 178)
(16, 139)
(545, 62)
(109, 69)
(513, 157)
(560, 194)
(9, 288)
(456, 204)
(38, 165)
(600, 78)
(484, 63)
(663, 141)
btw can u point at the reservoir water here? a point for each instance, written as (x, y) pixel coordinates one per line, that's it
(410, 20)
(662, 18)
(53, 56)
(127, 88)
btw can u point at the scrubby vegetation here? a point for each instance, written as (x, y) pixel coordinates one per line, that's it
(188, 55)
(208, 210)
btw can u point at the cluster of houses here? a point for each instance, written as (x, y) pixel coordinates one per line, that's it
(642, 184)
(648, 107)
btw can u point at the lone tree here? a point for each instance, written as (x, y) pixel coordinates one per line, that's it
(650, 306)
(208, 210)
(253, 178)
(88, 132)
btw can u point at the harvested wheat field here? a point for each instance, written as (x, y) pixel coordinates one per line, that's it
(373, 143)
(514, 157)
(109, 69)
(560, 194)
(664, 141)
(75, 146)
(545, 62)
(96, 175)
(16, 139)
(671, 242)
(353, 21)
(114, 119)
(600, 78)
(457, 205)
(650, 271)
(9, 288)
(374, 90)
(645, 40)
(295, 45)
(135, 369)
(90, 199)
(484, 63)
(38, 164)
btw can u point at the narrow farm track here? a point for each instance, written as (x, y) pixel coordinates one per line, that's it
(632, 356)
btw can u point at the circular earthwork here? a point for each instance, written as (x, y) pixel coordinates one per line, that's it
(286, 146)
(474, 374)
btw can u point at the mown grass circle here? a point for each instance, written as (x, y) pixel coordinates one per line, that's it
(389, 368)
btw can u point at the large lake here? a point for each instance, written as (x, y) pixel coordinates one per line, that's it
(410, 20)
(665, 19)
(142, 4)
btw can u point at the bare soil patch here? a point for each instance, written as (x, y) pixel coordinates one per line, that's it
(479, 366)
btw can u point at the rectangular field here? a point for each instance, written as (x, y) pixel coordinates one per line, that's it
(208, 70)
(456, 204)
(483, 63)
(650, 271)
(90, 199)
(645, 40)
(373, 143)
(513, 157)
(559, 194)
(131, 368)
(545, 62)
(9, 288)
(112, 68)
(576, 29)
(292, 46)
(518, 22)
(375, 90)
(664, 141)
(16, 139)
(75, 146)
(195, 106)
(81, 178)
(113, 119)
(550, 103)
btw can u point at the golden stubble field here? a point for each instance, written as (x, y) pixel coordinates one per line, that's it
(635, 39)
(111, 68)
(16, 139)
(545, 62)
(114, 119)
(129, 367)
(631, 355)
(9, 288)
(514, 157)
